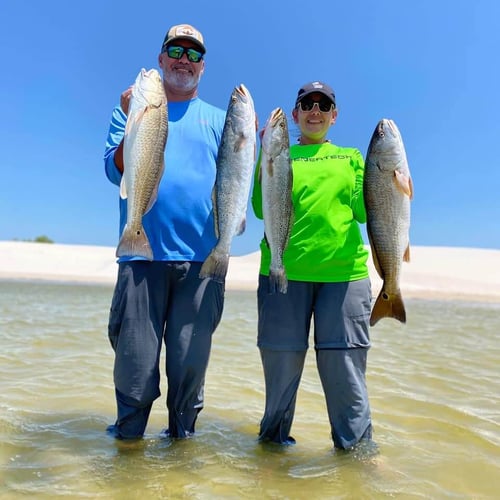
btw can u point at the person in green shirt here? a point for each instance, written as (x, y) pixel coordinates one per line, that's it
(328, 282)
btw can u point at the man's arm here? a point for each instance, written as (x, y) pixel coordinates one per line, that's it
(113, 155)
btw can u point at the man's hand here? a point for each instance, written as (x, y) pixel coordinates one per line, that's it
(125, 100)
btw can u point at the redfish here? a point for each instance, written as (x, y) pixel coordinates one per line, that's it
(388, 189)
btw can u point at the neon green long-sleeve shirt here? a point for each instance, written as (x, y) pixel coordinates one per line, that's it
(325, 242)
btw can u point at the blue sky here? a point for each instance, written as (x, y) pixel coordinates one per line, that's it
(432, 66)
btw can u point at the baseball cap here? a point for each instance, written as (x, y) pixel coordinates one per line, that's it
(310, 88)
(183, 32)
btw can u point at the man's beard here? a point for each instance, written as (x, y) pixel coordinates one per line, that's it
(184, 82)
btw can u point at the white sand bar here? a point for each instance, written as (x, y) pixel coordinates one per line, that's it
(433, 272)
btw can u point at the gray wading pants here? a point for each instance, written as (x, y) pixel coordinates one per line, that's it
(341, 314)
(157, 302)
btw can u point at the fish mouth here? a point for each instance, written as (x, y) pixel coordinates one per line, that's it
(392, 126)
(387, 127)
(148, 73)
(242, 90)
(276, 115)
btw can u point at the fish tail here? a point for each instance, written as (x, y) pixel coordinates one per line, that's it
(215, 266)
(278, 281)
(388, 306)
(134, 244)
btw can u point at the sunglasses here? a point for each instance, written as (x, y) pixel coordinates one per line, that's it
(324, 105)
(176, 52)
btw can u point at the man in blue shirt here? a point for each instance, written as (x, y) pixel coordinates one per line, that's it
(164, 299)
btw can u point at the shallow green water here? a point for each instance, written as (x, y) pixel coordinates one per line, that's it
(434, 387)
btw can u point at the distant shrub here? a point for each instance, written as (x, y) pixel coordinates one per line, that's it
(38, 239)
(43, 239)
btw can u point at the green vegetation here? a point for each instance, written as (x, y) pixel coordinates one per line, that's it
(38, 239)
(43, 239)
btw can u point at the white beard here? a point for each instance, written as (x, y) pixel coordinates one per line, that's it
(181, 81)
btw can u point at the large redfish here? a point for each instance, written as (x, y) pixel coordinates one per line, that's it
(388, 190)
(235, 163)
(143, 149)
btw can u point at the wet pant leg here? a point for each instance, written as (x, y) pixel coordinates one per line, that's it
(135, 331)
(342, 374)
(283, 330)
(194, 311)
(342, 341)
(132, 419)
(282, 373)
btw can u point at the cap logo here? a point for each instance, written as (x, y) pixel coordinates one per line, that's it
(184, 31)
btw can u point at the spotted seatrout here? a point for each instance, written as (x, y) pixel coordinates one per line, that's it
(276, 182)
(235, 162)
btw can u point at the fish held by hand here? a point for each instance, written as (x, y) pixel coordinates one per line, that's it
(144, 143)
(388, 189)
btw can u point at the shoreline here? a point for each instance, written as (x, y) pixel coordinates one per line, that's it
(434, 273)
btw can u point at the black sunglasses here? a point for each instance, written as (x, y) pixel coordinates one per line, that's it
(176, 52)
(324, 104)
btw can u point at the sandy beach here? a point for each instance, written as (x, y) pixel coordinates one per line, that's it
(433, 272)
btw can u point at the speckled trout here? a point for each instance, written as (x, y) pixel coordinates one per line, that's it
(143, 149)
(388, 190)
(276, 182)
(235, 162)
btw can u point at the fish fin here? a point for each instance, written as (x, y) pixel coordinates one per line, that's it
(133, 121)
(128, 126)
(374, 255)
(403, 183)
(270, 167)
(152, 200)
(123, 189)
(406, 255)
(411, 189)
(134, 244)
(240, 142)
(242, 226)
(388, 306)
(278, 282)
(215, 266)
(154, 193)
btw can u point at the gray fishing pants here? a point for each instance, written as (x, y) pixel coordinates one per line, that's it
(155, 302)
(341, 313)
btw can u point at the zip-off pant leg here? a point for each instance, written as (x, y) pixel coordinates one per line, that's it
(342, 374)
(282, 373)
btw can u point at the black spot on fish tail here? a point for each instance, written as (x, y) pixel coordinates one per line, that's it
(134, 244)
(388, 306)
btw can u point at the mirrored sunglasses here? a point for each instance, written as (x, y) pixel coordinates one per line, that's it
(176, 52)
